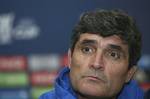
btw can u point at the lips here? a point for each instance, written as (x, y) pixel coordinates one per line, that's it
(94, 78)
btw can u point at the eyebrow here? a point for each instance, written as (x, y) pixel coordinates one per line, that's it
(117, 47)
(88, 41)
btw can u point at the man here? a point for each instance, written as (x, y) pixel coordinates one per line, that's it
(105, 49)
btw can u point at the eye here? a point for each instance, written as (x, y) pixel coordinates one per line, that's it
(114, 54)
(87, 50)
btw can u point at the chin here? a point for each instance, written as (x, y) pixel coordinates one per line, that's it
(92, 91)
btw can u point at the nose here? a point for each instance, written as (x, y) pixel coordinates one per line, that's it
(98, 61)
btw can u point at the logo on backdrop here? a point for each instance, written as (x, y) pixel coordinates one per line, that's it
(25, 29)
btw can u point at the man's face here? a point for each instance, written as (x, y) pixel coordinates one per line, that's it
(99, 66)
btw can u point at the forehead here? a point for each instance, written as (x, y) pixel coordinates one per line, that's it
(103, 41)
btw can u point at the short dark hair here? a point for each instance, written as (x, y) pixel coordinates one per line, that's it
(107, 23)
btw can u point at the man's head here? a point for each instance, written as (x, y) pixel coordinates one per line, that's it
(106, 23)
(105, 48)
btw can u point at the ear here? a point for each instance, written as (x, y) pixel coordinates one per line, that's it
(69, 58)
(131, 73)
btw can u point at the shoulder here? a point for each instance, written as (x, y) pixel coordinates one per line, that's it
(48, 95)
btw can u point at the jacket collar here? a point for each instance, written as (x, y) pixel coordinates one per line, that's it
(63, 86)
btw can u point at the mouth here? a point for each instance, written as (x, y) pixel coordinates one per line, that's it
(94, 78)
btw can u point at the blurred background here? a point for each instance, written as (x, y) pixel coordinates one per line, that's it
(35, 35)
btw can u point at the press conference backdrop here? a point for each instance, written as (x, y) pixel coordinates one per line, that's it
(35, 35)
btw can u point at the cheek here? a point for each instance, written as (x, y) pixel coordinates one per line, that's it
(78, 66)
(117, 70)
(75, 72)
(116, 74)
(79, 61)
